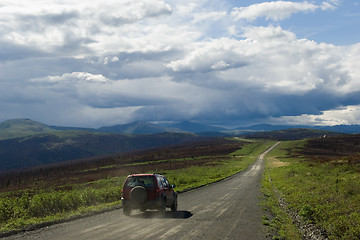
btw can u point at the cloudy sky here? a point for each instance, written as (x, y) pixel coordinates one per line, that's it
(230, 62)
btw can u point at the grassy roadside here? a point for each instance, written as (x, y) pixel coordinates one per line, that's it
(29, 207)
(280, 223)
(322, 194)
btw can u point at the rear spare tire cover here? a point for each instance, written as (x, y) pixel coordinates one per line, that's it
(138, 194)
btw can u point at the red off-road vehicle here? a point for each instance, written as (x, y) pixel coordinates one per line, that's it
(148, 191)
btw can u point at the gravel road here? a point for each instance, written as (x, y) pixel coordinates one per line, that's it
(225, 210)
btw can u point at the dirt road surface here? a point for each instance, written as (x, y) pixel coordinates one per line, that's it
(225, 210)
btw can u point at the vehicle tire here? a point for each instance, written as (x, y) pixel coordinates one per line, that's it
(162, 208)
(138, 194)
(126, 211)
(174, 206)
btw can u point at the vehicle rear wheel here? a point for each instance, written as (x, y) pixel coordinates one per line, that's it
(174, 206)
(162, 208)
(126, 211)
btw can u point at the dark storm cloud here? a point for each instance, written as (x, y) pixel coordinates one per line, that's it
(10, 51)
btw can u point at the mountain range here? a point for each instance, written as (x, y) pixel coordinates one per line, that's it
(336, 128)
(24, 127)
(27, 143)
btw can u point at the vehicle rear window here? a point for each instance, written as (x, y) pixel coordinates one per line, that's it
(145, 181)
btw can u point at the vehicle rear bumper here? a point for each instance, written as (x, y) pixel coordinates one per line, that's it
(149, 204)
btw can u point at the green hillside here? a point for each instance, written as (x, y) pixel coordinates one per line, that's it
(22, 127)
(26, 143)
(62, 146)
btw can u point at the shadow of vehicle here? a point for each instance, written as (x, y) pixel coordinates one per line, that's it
(156, 214)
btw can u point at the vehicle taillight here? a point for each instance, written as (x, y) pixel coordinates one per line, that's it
(125, 193)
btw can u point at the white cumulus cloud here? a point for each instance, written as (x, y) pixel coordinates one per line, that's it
(277, 10)
(345, 115)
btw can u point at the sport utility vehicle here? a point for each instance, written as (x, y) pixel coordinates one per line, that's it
(148, 191)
